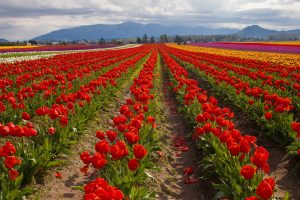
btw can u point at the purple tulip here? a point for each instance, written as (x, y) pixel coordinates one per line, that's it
(295, 49)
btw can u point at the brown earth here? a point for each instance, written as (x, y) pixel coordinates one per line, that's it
(171, 179)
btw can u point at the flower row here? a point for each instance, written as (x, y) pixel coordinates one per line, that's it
(270, 57)
(282, 48)
(236, 159)
(121, 154)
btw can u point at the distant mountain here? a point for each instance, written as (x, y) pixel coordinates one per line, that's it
(257, 31)
(3, 40)
(133, 30)
(127, 30)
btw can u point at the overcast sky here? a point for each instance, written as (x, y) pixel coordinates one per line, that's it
(24, 19)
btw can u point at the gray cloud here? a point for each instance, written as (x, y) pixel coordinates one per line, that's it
(28, 18)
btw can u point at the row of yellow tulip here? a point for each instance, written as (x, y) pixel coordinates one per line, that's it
(278, 58)
(16, 47)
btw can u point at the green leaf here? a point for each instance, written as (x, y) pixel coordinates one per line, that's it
(14, 194)
(28, 190)
(55, 163)
(33, 160)
(78, 188)
(19, 180)
(286, 196)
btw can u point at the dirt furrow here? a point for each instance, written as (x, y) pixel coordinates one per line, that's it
(178, 154)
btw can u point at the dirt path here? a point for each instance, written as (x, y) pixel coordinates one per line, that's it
(173, 183)
(52, 188)
(281, 164)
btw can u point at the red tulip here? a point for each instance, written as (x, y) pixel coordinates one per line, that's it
(133, 164)
(64, 120)
(295, 126)
(139, 151)
(151, 120)
(260, 157)
(100, 135)
(234, 149)
(247, 171)
(266, 168)
(25, 116)
(85, 157)
(11, 161)
(111, 135)
(131, 137)
(102, 147)
(58, 175)
(251, 102)
(188, 170)
(98, 160)
(265, 188)
(13, 174)
(244, 146)
(84, 169)
(268, 115)
(51, 130)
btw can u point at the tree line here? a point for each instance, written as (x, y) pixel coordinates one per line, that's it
(162, 39)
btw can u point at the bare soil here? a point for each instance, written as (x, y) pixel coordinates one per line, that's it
(172, 180)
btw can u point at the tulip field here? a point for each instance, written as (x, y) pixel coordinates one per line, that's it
(153, 121)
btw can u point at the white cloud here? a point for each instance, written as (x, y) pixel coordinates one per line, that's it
(28, 18)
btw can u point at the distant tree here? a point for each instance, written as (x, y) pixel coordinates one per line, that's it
(33, 42)
(163, 38)
(138, 40)
(114, 41)
(152, 40)
(178, 39)
(145, 38)
(101, 41)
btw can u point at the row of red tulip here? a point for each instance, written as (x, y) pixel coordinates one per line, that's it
(123, 145)
(239, 163)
